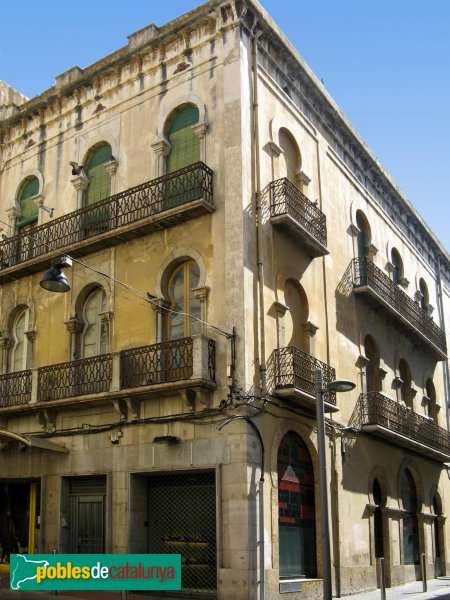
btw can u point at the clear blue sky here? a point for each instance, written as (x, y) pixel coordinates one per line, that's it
(386, 63)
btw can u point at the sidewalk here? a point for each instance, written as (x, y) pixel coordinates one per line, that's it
(437, 588)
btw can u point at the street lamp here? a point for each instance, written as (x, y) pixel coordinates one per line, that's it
(341, 385)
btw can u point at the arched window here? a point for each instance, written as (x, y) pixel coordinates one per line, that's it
(405, 383)
(28, 209)
(432, 409)
(95, 333)
(373, 380)
(180, 290)
(184, 143)
(410, 524)
(290, 160)
(296, 509)
(21, 351)
(378, 519)
(424, 296)
(437, 511)
(397, 266)
(99, 179)
(297, 316)
(363, 236)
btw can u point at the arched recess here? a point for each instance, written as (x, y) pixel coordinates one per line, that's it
(372, 366)
(20, 340)
(296, 317)
(290, 161)
(438, 524)
(397, 266)
(424, 295)
(405, 389)
(99, 178)
(432, 408)
(410, 525)
(168, 111)
(90, 317)
(296, 509)
(36, 197)
(181, 285)
(363, 236)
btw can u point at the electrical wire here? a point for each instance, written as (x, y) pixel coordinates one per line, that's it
(137, 292)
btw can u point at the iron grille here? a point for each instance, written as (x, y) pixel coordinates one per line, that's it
(15, 388)
(286, 199)
(366, 273)
(75, 378)
(158, 363)
(182, 520)
(377, 409)
(291, 367)
(151, 198)
(87, 514)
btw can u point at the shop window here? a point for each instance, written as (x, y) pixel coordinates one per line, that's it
(182, 520)
(296, 509)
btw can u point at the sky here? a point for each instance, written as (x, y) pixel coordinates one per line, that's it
(385, 62)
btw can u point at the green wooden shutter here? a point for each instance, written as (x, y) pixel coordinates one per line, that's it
(184, 144)
(99, 179)
(28, 209)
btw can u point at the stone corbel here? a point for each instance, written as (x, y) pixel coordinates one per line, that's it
(133, 408)
(412, 392)
(429, 310)
(389, 267)
(201, 293)
(188, 399)
(353, 230)
(418, 296)
(404, 282)
(47, 420)
(106, 316)
(202, 399)
(382, 373)
(5, 341)
(120, 408)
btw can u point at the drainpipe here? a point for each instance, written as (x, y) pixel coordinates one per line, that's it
(445, 364)
(258, 218)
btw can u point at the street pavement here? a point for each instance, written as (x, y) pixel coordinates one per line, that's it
(437, 588)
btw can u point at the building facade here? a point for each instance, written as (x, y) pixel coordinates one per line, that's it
(229, 235)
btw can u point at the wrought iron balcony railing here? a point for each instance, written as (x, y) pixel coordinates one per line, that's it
(290, 208)
(388, 418)
(76, 378)
(162, 202)
(15, 388)
(190, 359)
(291, 373)
(369, 280)
(175, 360)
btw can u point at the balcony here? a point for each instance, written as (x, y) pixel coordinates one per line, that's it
(291, 210)
(157, 204)
(290, 374)
(380, 291)
(137, 372)
(388, 419)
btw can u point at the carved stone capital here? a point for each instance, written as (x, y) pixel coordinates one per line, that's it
(106, 316)
(372, 251)
(280, 309)
(31, 335)
(302, 179)
(200, 129)
(13, 212)
(161, 148)
(274, 149)
(111, 166)
(38, 200)
(397, 383)
(362, 361)
(159, 305)
(5, 342)
(80, 182)
(74, 325)
(310, 329)
(201, 293)
(404, 282)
